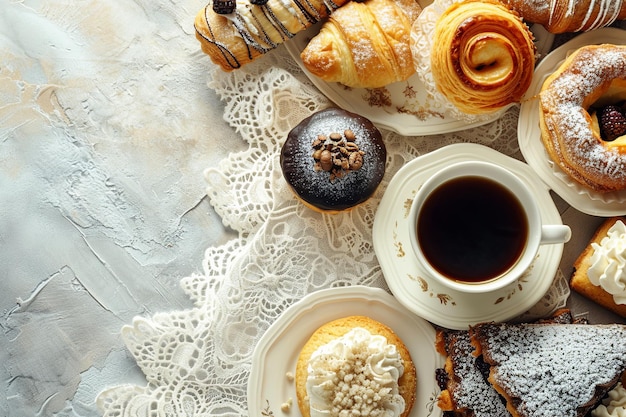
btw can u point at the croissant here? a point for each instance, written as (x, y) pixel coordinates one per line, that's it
(560, 16)
(364, 44)
(483, 56)
(235, 39)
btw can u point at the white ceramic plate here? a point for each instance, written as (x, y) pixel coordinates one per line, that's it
(403, 107)
(277, 352)
(429, 299)
(529, 134)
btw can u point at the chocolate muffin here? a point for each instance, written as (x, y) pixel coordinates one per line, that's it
(333, 160)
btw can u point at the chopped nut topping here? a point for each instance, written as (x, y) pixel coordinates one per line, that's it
(337, 154)
(354, 388)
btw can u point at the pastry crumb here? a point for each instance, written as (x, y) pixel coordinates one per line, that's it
(286, 406)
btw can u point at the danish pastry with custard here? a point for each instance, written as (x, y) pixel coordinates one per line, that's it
(591, 74)
(483, 56)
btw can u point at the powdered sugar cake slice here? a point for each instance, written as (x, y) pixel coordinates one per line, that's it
(551, 369)
(465, 390)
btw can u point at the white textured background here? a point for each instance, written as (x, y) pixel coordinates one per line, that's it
(106, 125)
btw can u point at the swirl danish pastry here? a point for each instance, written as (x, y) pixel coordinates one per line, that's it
(250, 30)
(483, 56)
(590, 75)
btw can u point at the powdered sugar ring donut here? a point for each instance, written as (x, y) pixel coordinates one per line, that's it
(566, 127)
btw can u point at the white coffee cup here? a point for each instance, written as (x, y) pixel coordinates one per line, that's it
(476, 227)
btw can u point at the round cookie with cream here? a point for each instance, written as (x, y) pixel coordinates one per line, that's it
(355, 365)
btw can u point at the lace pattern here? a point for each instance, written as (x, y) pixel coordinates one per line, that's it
(197, 361)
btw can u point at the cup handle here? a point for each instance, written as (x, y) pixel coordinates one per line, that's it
(555, 233)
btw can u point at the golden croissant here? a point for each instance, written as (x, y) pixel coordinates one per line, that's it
(364, 44)
(234, 39)
(560, 16)
(483, 56)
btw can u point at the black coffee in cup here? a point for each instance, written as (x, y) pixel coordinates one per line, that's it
(472, 229)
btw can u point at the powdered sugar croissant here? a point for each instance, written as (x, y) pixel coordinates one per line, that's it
(560, 16)
(364, 44)
(235, 39)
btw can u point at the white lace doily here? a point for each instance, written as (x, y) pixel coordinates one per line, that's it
(197, 361)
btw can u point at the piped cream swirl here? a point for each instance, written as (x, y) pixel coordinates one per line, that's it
(608, 263)
(614, 405)
(357, 372)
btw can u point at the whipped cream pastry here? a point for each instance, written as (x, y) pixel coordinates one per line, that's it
(608, 263)
(356, 372)
(614, 405)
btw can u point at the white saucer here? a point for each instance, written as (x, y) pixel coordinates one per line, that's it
(430, 300)
(277, 352)
(529, 134)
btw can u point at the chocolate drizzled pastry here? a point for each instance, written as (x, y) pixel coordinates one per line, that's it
(235, 38)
